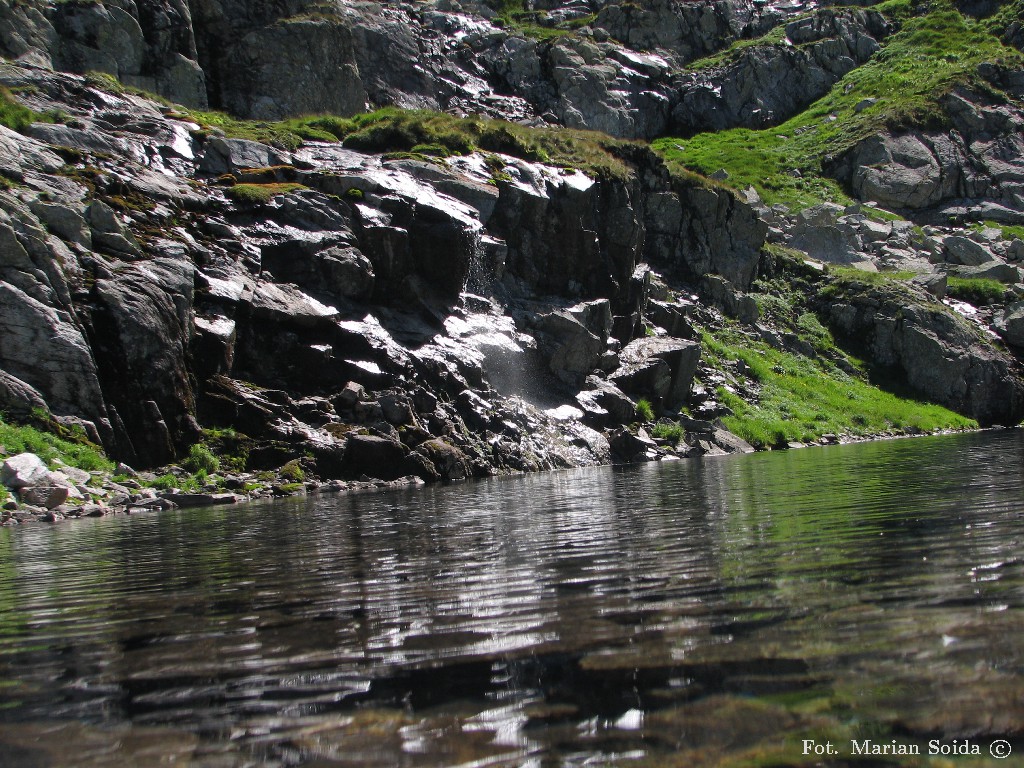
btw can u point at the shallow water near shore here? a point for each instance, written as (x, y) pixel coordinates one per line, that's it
(728, 611)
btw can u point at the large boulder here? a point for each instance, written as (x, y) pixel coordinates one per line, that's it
(23, 471)
(1010, 325)
(572, 350)
(659, 368)
(974, 169)
(18, 398)
(439, 460)
(375, 456)
(46, 349)
(696, 229)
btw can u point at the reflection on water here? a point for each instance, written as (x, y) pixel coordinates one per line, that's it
(688, 613)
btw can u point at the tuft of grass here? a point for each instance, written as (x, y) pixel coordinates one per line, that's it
(200, 459)
(164, 482)
(854, 275)
(930, 56)
(799, 400)
(981, 292)
(644, 410)
(12, 114)
(292, 471)
(261, 194)
(49, 441)
(671, 432)
(1010, 231)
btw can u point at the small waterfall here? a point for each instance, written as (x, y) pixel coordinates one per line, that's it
(487, 264)
(489, 338)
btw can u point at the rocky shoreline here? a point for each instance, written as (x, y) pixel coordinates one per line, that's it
(66, 493)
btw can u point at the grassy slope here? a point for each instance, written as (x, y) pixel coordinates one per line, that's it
(76, 452)
(800, 399)
(791, 397)
(928, 57)
(783, 396)
(429, 134)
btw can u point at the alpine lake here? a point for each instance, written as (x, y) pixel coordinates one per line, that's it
(852, 605)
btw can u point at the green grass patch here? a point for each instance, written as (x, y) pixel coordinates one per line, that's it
(292, 471)
(1009, 231)
(427, 134)
(18, 117)
(164, 482)
(644, 410)
(228, 447)
(671, 432)
(49, 441)
(854, 275)
(981, 292)
(12, 114)
(799, 399)
(200, 459)
(1000, 21)
(776, 36)
(260, 194)
(916, 67)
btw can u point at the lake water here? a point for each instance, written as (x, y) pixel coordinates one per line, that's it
(732, 611)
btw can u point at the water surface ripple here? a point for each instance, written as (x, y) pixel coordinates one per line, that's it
(687, 613)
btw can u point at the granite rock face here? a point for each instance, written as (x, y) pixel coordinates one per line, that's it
(389, 315)
(935, 353)
(764, 85)
(623, 78)
(972, 171)
(432, 324)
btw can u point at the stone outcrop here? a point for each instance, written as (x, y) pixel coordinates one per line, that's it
(147, 45)
(661, 369)
(972, 172)
(686, 30)
(141, 306)
(381, 317)
(766, 84)
(622, 77)
(935, 353)
(696, 229)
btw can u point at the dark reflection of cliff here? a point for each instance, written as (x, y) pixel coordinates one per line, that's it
(579, 609)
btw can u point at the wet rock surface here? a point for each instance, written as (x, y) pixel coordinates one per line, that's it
(384, 317)
(327, 325)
